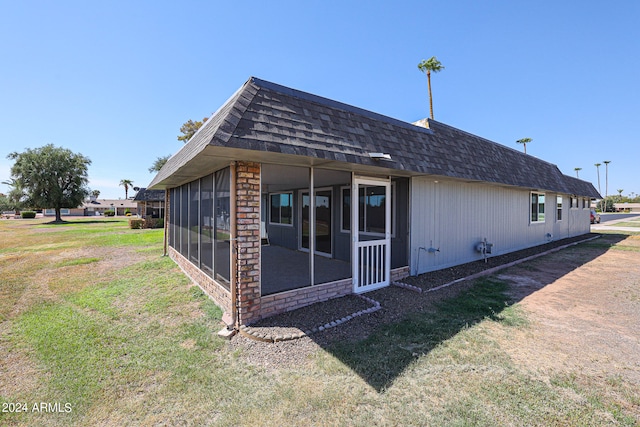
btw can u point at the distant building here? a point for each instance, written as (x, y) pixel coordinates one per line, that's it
(95, 207)
(150, 203)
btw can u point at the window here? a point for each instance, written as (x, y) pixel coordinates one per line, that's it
(194, 222)
(184, 221)
(222, 250)
(585, 205)
(371, 209)
(537, 207)
(281, 208)
(206, 224)
(574, 202)
(559, 208)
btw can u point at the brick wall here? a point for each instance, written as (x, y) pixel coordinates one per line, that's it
(248, 238)
(296, 298)
(220, 295)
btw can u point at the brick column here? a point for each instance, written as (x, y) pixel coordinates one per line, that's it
(248, 238)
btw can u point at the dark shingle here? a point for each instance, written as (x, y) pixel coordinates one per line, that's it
(283, 120)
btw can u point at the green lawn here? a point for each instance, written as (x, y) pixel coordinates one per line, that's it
(94, 317)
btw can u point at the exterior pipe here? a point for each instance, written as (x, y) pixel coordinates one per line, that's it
(234, 246)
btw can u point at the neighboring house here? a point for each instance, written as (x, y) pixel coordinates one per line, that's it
(243, 225)
(94, 207)
(150, 203)
(627, 207)
(65, 212)
(120, 206)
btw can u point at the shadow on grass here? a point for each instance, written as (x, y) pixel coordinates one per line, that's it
(412, 324)
(79, 221)
(389, 349)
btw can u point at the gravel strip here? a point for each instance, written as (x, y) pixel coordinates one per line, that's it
(395, 302)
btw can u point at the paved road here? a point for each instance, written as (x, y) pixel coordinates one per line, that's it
(608, 217)
(608, 222)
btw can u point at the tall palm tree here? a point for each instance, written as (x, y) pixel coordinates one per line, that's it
(606, 177)
(606, 180)
(524, 141)
(577, 172)
(126, 183)
(597, 165)
(619, 190)
(427, 66)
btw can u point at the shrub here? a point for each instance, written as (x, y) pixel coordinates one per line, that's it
(127, 212)
(28, 214)
(136, 223)
(154, 223)
(109, 213)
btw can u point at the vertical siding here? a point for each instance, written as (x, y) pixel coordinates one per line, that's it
(455, 216)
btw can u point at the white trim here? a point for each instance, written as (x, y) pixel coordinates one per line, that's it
(369, 233)
(372, 275)
(544, 213)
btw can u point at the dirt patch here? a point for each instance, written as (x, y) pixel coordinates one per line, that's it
(586, 320)
(583, 304)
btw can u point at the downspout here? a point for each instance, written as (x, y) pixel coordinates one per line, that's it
(234, 246)
(166, 221)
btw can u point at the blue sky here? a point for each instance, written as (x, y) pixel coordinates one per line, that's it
(115, 80)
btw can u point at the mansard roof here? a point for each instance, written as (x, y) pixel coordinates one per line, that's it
(267, 122)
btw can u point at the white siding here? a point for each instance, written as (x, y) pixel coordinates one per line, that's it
(455, 216)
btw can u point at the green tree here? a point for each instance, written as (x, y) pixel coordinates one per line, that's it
(95, 193)
(5, 204)
(51, 177)
(126, 183)
(13, 200)
(159, 163)
(428, 66)
(524, 141)
(577, 172)
(189, 128)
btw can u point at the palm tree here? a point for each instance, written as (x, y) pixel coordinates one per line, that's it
(606, 180)
(427, 66)
(524, 141)
(606, 177)
(15, 194)
(597, 165)
(620, 190)
(126, 183)
(95, 193)
(577, 172)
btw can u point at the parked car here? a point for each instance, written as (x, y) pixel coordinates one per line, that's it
(595, 217)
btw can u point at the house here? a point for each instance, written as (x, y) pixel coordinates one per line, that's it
(263, 212)
(627, 207)
(150, 203)
(94, 207)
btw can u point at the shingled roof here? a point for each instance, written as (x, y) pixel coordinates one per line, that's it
(146, 195)
(264, 121)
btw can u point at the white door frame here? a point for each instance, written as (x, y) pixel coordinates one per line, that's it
(370, 259)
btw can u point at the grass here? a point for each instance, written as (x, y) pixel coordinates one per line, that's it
(131, 342)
